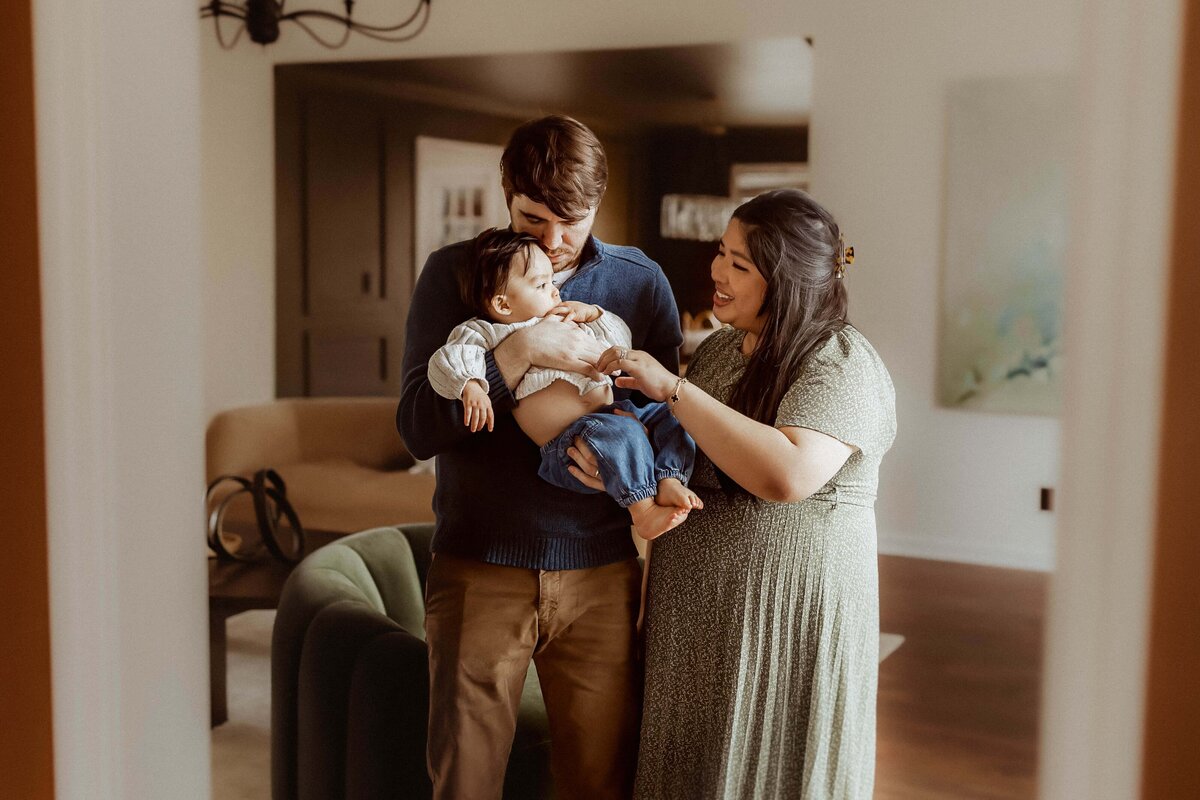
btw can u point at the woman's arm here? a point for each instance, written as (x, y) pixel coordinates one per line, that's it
(782, 464)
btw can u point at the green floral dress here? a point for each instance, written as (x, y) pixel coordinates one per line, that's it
(762, 627)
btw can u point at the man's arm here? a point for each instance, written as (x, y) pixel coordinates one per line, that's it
(431, 424)
(551, 344)
(663, 337)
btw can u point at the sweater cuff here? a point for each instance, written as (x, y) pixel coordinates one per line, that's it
(502, 398)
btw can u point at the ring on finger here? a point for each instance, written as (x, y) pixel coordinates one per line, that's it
(622, 353)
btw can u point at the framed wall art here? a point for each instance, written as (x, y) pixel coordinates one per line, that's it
(458, 193)
(1008, 157)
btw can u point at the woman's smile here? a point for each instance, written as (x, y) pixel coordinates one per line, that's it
(738, 287)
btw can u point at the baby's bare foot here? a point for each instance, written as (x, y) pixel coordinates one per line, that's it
(651, 520)
(672, 492)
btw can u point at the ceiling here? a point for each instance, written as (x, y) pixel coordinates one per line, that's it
(761, 82)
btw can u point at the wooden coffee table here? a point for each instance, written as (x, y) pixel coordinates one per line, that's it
(237, 586)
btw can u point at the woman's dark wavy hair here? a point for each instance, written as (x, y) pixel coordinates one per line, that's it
(795, 243)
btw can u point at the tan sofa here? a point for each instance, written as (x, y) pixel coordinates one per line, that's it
(345, 466)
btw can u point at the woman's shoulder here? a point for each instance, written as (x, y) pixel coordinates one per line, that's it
(719, 343)
(844, 390)
(846, 357)
(846, 347)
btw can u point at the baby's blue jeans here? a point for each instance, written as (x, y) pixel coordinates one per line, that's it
(631, 465)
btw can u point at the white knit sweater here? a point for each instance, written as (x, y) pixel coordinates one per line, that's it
(461, 360)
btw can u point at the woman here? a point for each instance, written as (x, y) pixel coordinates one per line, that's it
(762, 624)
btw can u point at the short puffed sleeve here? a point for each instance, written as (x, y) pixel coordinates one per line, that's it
(843, 391)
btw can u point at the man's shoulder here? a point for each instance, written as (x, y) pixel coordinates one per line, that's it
(450, 255)
(441, 268)
(630, 256)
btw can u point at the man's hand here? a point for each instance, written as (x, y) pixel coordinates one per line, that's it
(477, 407)
(552, 344)
(575, 311)
(586, 468)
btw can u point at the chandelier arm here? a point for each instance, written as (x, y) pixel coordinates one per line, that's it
(224, 12)
(361, 27)
(393, 39)
(216, 18)
(221, 8)
(319, 40)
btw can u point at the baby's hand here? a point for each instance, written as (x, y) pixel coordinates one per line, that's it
(477, 407)
(575, 311)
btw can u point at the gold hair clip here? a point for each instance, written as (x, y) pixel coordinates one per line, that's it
(845, 257)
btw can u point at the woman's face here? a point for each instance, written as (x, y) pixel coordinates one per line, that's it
(740, 287)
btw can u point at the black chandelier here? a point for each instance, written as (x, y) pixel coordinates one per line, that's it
(261, 20)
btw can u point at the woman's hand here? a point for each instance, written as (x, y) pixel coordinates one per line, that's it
(640, 371)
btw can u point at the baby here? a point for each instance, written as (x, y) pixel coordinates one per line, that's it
(508, 282)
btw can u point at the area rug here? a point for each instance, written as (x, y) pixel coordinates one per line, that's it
(241, 748)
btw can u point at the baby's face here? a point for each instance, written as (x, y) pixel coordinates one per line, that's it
(530, 292)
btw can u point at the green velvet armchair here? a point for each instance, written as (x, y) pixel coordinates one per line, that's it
(350, 681)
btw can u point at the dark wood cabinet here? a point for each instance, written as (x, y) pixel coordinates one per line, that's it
(344, 228)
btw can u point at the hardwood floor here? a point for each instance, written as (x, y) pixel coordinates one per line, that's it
(958, 702)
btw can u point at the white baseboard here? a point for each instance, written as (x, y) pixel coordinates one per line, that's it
(966, 552)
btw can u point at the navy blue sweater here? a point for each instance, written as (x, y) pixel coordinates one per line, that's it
(490, 503)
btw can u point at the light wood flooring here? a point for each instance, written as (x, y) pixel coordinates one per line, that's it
(958, 702)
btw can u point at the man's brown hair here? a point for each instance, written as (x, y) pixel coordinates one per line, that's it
(556, 161)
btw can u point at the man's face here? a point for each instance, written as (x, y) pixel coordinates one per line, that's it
(561, 239)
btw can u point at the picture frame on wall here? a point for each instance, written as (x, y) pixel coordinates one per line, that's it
(749, 180)
(457, 193)
(1004, 244)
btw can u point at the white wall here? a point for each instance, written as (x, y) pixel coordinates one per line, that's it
(237, 124)
(957, 485)
(117, 89)
(1098, 610)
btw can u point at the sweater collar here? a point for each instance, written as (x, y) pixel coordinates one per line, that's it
(593, 254)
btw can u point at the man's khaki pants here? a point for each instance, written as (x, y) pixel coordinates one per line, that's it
(483, 622)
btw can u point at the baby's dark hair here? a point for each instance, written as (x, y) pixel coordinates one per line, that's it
(486, 273)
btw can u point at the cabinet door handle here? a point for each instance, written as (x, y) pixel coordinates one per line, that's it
(366, 283)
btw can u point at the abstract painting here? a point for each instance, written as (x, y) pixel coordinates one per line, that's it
(1008, 156)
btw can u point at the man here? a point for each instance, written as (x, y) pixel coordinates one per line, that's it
(523, 569)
